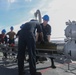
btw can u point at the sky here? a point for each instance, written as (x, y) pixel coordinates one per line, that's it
(16, 12)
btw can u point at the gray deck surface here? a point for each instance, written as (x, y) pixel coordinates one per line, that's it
(11, 68)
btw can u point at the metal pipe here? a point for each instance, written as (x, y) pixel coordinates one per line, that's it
(37, 15)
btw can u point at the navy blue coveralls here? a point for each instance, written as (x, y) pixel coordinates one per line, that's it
(47, 31)
(27, 38)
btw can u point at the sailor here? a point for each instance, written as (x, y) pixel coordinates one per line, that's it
(3, 37)
(17, 35)
(11, 34)
(46, 29)
(3, 40)
(27, 38)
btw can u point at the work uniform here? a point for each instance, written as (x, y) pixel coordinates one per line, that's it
(3, 40)
(27, 38)
(46, 31)
(17, 35)
(11, 37)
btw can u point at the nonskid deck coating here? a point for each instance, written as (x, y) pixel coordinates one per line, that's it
(11, 68)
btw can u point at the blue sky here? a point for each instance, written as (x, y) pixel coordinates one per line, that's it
(13, 12)
(16, 12)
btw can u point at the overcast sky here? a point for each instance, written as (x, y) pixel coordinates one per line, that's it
(16, 12)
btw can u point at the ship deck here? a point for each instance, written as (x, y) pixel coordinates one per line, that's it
(62, 68)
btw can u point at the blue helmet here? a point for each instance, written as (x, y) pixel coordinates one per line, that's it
(4, 31)
(21, 26)
(11, 27)
(46, 17)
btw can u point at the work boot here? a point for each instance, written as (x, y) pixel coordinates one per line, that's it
(23, 73)
(38, 73)
(53, 66)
